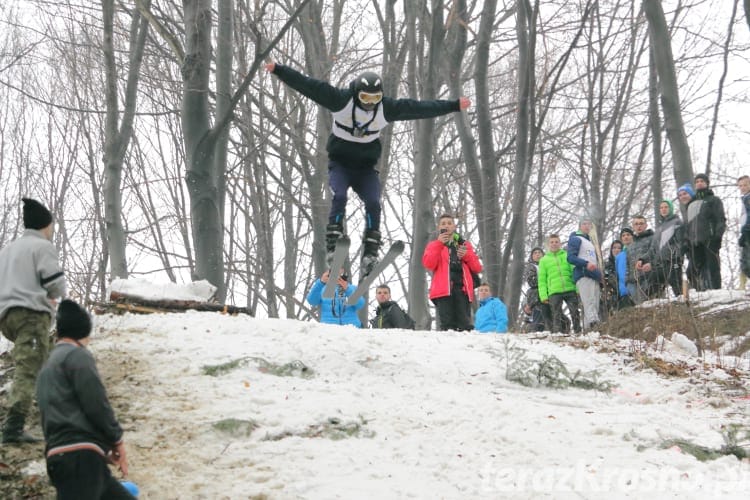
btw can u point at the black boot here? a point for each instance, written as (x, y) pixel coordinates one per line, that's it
(372, 242)
(333, 233)
(13, 428)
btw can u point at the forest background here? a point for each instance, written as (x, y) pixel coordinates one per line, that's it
(165, 152)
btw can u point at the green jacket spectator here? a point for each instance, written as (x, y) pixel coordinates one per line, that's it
(555, 274)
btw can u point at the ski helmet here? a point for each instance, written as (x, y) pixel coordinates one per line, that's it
(369, 88)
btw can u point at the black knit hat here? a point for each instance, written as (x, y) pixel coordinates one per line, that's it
(73, 321)
(627, 230)
(35, 215)
(704, 177)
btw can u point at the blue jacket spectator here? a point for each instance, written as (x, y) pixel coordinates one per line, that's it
(335, 311)
(492, 315)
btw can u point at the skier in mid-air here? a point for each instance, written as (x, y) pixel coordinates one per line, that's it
(360, 112)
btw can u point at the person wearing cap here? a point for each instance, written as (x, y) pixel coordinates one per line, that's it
(31, 280)
(621, 266)
(80, 429)
(360, 113)
(744, 241)
(706, 223)
(668, 240)
(587, 274)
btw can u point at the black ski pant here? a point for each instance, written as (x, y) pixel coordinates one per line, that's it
(454, 311)
(704, 269)
(84, 475)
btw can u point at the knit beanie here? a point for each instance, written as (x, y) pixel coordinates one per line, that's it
(670, 205)
(627, 230)
(73, 321)
(35, 215)
(687, 188)
(704, 177)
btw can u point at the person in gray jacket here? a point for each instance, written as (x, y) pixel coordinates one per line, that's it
(30, 281)
(80, 429)
(640, 257)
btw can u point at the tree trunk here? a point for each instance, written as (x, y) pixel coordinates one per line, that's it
(526, 33)
(200, 144)
(485, 181)
(423, 216)
(670, 98)
(117, 136)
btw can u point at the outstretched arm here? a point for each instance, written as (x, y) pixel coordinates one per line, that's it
(319, 91)
(412, 109)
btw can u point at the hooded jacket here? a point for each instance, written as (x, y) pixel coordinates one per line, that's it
(667, 243)
(492, 316)
(555, 274)
(581, 251)
(335, 311)
(642, 250)
(390, 315)
(343, 146)
(706, 221)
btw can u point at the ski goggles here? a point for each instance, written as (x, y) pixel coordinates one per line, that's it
(370, 97)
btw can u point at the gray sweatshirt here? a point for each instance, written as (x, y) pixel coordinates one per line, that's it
(30, 274)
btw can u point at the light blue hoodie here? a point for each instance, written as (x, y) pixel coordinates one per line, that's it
(492, 316)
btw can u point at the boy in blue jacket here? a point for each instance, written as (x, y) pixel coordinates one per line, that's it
(335, 311)
(492, 315)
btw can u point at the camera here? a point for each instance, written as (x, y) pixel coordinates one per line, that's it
(344, 276)
(443, 231)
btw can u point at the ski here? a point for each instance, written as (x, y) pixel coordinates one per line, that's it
(339, 257)
(364, 284)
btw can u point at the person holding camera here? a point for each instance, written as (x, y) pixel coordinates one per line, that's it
(335, 311)
(451, 260)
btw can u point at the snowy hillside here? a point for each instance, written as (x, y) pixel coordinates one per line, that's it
(235, 407)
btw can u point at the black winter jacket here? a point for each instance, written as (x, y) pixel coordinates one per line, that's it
(390, 315)
(706, 221)
(356, 154)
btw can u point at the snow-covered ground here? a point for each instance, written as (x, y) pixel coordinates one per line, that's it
(428, 414)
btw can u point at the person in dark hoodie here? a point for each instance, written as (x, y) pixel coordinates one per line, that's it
(586, 272)
(640, 258)
(360, 112)
(706, 223)
(610, 277)
(389, 314)
(80, 429)
(541, 315)
(668, 242)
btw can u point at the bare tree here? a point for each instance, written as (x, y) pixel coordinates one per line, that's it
(117, 132)
(670, 97)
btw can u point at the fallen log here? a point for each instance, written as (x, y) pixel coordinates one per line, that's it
(122, 303)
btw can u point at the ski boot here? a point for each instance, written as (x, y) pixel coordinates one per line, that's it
(333, 233)
(372, 242)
